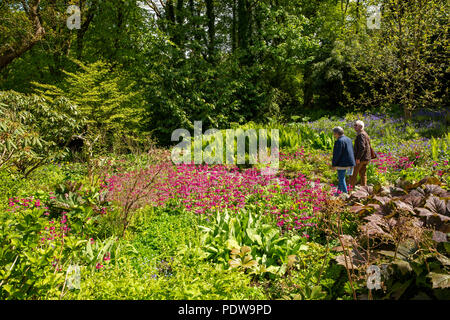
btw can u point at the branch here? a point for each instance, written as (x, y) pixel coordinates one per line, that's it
(39, 32)
(154, 7)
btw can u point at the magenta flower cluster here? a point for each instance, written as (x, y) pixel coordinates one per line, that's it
(55, 230)
(204, 189)
(297, 155)
(387, 161)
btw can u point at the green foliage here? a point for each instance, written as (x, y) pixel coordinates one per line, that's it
(161, 232)
(250, 237)
(440, 148)
(129, 73)
(26, 270)
(105, 96)
(34, 131)
(201, 281)
(311, 276)
(397, 67)
(162, 261)
(416, 273)
(83, 205)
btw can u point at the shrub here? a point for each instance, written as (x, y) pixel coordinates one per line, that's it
(34, 131)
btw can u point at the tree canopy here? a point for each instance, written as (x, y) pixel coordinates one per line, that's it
(168, 63)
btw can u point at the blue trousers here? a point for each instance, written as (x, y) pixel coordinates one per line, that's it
(342, 186)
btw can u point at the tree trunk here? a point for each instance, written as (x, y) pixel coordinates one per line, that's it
(13, 53)
(242, 24)
(170, 11)
(210, 14)
(81, 32)
(233, 28)
(407, 113)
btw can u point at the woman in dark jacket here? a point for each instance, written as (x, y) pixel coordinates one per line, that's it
(343, 158)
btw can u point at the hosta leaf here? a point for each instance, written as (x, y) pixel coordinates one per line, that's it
(89, 251)
(317, 293)
(254, 236)
(440, 280)
(407, 248)
(387, 253)
(272, 269)
(399, 288)
(270, 232)
(282, 270)
(232, 244)
(303, 247)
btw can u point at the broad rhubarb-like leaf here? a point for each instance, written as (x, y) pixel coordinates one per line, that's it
(434, 189)
(414, 201)
(439, 236)
(436, 205)
(440, 280)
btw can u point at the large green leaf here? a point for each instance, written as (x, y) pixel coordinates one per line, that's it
(254, 236)
(440, 280)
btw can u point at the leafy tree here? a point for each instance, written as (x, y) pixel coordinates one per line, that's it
(34, 131)
(403, 63)
(105, 98)
(20, 30)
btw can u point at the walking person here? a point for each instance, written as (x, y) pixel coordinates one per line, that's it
(343, 158)
(363, 154)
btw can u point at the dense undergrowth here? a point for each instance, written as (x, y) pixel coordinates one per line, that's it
(139, 227)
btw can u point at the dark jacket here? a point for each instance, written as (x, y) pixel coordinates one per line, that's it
(343, 153)
(362, 147)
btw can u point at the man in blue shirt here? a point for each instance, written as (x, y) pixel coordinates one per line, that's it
(343, 157)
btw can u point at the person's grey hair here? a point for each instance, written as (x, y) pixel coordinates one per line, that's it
(360, 123)
(338, 130)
